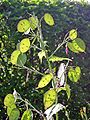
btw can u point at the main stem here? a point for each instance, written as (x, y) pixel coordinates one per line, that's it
(50, 68)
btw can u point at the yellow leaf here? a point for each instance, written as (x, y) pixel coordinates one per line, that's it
(49, 19)
(23, 25)
(14, 56)
(45, 80)
(24, 45)
(49, 98)
(73, 34)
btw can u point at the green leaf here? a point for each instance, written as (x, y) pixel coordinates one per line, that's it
(49, 19)
(71, 47)
(1, 45)
(10, 108)
(68, 90)
(14, 114)
(23, 25)
(74, 75)
(33, 22)
(9, 100)
(45, 80)
(41, 55)
(25, 45)
(55, 58)
(79, 45)
(73, 34)
(14, 56)
(27, 115)
(49, 98)
(22, 58)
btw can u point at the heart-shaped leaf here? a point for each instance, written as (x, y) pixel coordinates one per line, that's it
(14, 56)
(71, 47)
(74, 75)
(79, 45)
(49, 98)
(73, 34)
(23, 25)
(24, 45)
(45, 80)
(27, 115)
(49, 19)
(9, 100)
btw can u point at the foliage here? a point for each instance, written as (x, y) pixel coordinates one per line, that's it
(65, 19)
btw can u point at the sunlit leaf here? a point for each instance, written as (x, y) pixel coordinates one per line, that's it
(74, 75)
(1, 45)
(23, 25)
(10, 108)
(55, 59)
(73, 34)
(24, 45)
(14, 56)
(68, 91)
(22, 58)
(9, 100)
(14, 114)
(49, 98)
(33, 22)
(71, 47)
(49, 19)
(79, 45)
(45, 80)
(41, 55)
(27, 115)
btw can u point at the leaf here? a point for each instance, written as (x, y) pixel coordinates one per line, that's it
(10, 108)
(9, 100)
(55, 59)
(23, 25)
(33, 22)
(49, 98)
(14, 56)
(73, 34)
(22, 58)
(45, 80)
(68, 90)
(79, 45)
(41, 55)
(49, 19)
(74, 75)
(53, 110)
(1, 45)
(14, 114)
(24, 45)
(71, 47)
(27, 115)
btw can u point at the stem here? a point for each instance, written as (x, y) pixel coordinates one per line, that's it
(33, 70)
(49, 65)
